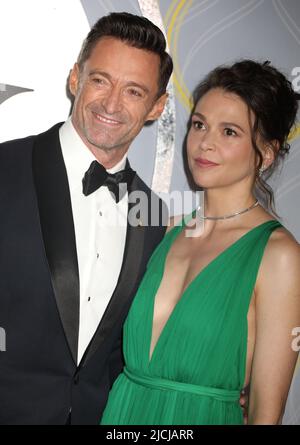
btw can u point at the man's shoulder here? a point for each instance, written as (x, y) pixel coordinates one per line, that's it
(15, 145)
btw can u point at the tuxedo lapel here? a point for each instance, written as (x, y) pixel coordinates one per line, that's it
(57, 227)
(121, 298)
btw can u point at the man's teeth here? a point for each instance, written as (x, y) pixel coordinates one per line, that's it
(107, 121)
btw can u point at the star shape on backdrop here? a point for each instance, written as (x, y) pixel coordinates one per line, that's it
(8, 91)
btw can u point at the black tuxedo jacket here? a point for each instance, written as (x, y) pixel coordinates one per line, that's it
(40, 382)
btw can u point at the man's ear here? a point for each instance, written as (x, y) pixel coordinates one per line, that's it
(74, 79)
(157, 108)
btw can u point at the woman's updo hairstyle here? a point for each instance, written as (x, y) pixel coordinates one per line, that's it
(270, 96)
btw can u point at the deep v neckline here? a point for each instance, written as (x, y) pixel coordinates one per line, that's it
(188, 287)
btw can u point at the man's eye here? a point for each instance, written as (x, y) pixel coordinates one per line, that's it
(230, 132)
(134, 92)
(98, 81)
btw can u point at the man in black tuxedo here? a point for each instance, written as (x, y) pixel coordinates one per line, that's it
(69, 267)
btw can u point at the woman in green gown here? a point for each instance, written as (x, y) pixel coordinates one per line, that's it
(219, 300)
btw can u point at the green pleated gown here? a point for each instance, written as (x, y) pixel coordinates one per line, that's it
(197, 368)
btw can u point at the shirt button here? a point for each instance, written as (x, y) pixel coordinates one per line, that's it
(98, 255)
(100, 213)
(89, 299)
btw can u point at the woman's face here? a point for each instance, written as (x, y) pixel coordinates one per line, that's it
(219, 147)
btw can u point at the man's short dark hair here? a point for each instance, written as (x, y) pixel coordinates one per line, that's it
(135, 31)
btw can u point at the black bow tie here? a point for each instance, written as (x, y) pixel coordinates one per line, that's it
(117, 183)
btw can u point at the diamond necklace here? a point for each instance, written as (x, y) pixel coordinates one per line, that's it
(229, 216)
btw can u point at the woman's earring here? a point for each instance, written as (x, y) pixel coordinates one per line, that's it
(261, 170)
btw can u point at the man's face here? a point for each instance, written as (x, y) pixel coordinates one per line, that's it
(115, 94)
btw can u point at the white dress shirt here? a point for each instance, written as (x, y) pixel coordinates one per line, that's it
(100, 230)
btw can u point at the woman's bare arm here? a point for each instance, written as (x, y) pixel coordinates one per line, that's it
(277, 314)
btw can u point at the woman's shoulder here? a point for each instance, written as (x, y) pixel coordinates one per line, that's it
(281, 257)
(283, 245)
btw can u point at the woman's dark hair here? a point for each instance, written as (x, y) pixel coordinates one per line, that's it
(135, 31)
(271, 98)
